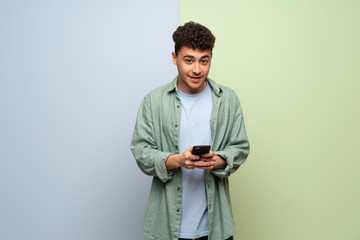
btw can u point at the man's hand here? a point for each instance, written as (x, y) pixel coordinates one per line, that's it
(207, 161)
(187, 160)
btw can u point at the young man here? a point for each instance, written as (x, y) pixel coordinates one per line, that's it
(189, 197)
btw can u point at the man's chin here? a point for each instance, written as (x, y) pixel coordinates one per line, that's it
(199, 86)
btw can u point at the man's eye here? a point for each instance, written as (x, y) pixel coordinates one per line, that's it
(188, 60)
(204, 61)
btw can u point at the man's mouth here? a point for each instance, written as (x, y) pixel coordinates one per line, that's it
(195, 79)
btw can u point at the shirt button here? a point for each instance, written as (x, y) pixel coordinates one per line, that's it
(178, 106)
(178, 188)
(176, 125)
(177, 210)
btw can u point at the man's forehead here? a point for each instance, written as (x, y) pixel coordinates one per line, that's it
(189, 52)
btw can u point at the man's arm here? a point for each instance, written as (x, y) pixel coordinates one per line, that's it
(143, 145)
(235, 144)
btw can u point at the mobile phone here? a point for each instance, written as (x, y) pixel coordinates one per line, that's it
(200, 149)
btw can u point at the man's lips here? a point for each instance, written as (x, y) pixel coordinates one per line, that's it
(195, 79)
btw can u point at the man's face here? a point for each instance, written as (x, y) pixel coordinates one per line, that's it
(193, 67)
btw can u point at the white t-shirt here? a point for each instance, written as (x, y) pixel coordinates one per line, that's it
(194, 130)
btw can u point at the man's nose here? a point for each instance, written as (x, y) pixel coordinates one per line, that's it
(197, 69)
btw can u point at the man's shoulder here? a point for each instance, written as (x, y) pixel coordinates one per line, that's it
(221, 89)
(158, 91)
(227, 89)
(161, 93)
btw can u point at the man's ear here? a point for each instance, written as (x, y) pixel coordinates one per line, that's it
(174, 57)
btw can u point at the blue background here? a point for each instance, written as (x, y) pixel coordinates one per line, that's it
(72, 76)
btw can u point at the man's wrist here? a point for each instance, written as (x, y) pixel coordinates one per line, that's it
(172, 161)
(220, 162)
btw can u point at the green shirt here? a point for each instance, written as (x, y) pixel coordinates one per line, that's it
(155, 137)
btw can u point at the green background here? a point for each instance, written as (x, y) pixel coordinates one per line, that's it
(296, 68)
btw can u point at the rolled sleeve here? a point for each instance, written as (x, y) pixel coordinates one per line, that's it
(160, 168)
(223, 173)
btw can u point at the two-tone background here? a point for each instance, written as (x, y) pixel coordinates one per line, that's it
(72, 76)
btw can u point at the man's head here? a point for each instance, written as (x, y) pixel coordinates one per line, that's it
(192, 56)
(194, 36)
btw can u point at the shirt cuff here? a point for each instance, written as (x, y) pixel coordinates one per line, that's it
(223, 173)
(160, 168)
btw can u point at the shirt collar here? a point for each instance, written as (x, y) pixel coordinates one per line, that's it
(216, 88)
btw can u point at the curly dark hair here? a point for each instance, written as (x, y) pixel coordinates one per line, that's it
(193, 35)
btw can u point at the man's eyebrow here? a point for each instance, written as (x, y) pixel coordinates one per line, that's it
(190, 56)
